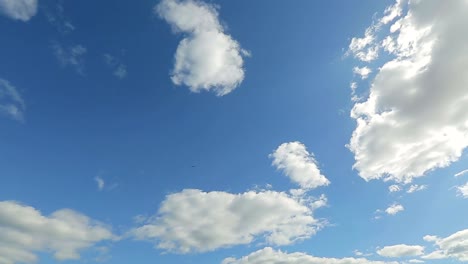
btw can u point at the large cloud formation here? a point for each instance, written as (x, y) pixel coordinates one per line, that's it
(207, 59)
(25, 231)
(416, 116)
(271, 256)
(18, 9)
(197, 221)
(299, 165)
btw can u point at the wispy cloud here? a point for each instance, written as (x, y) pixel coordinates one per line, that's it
(100, 182)
(56, 17)
(118, 67)
(11, 101)
(72, 56)
(461, 173)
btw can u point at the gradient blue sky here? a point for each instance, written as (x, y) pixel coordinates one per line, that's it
(146, 137)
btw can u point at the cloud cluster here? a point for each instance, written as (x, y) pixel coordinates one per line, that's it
(71, 56)
(25, 231)
(398, 251)
(415, 117)
(299, 165)
(11, 102)
(197, 221)
(18, 9)
(207, 59)
(271, 256)
(454, 246)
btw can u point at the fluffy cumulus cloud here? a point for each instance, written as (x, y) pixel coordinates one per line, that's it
(24, 231)
(398, 251)
(18, 9)
(207, 59)
(299, 165)
(197, 221)
(394, 209)
(11, 102)
(271, 256)
(454, 246)
(415, 118)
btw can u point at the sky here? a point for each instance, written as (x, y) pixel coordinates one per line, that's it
(233, 132)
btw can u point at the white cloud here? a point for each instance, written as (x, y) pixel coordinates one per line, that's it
(415, 118)
(100, 183)
(398, 251)
(454, 246)
(363, 72)
(299, 165)
(416, 188)
(394, 209)
(197, 221)
(463, 190)
(461, 173)
(207, 59)
(415, 261)
(18, 9)
(119, 69)
(25, 231)
(271, 256)
(394, 188)
(11, 102)
(71, 56)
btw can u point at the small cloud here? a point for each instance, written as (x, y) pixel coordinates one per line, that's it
(22, 10)
(100, 182)
(11, 101)
(363, 72)
(398, 251)
(461, 173)
(394, 188)
(119, 69)
(299, 165)
(416, 188)
(463, 190)
(394, 209)
(70, 56)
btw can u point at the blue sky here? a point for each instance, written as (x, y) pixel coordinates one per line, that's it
(233, 132)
